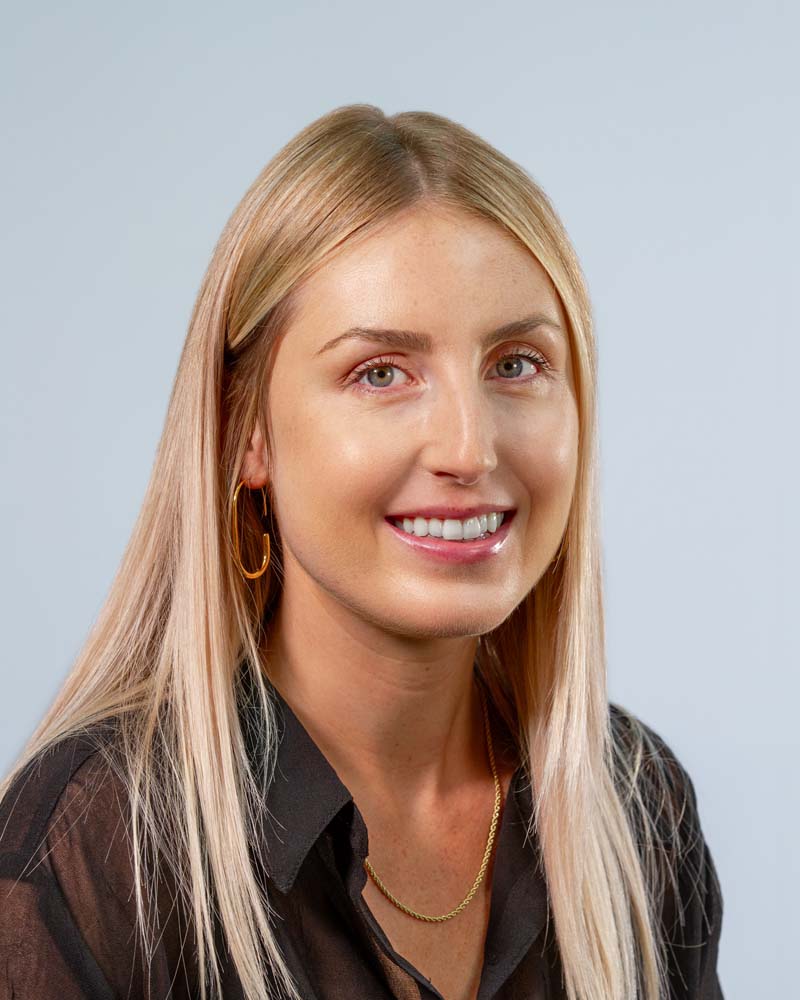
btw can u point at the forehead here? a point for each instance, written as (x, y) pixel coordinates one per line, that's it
(431, 268)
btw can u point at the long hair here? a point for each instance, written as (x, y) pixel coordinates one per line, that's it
(181, 625)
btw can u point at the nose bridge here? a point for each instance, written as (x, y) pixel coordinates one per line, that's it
(462, 428)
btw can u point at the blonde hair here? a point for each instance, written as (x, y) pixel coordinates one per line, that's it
(181, 625)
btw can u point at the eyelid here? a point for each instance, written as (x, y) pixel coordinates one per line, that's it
(504, 351)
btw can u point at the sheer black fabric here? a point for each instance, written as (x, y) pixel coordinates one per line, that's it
(67, 907)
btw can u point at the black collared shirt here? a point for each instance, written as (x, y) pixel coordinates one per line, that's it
(315, 860)
(67, 910)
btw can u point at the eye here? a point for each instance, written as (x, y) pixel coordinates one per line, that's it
(380, 365)
(384, 365)
(529, 354)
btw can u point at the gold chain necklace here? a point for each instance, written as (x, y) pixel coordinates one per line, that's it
(487, 854)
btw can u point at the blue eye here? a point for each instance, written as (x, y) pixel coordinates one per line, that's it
(384, 364)
(377, 365)
(524, 354)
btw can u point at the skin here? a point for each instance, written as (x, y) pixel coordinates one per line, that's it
(373, 644)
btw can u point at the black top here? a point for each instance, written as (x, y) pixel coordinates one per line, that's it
(67, 910)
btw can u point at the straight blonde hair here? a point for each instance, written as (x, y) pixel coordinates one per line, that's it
(181, 626)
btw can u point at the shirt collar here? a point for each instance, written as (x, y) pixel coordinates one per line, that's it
(305, 792)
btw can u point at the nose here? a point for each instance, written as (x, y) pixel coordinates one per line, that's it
(461, 436)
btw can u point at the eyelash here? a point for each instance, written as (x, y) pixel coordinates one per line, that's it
(386, 362)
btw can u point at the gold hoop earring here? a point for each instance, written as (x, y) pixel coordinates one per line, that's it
(265, 561)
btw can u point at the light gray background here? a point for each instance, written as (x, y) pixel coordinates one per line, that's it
(667, 138)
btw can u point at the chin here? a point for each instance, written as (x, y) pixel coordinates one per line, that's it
(439, 622)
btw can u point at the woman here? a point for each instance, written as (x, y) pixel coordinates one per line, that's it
(341, 728)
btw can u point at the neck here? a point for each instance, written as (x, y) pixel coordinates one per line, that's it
(401, 723)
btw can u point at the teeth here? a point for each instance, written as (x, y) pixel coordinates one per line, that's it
(450, 529)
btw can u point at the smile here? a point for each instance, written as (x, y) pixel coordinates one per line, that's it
(484, 544)
(452, 529)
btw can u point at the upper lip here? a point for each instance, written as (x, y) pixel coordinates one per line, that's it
(455, 513)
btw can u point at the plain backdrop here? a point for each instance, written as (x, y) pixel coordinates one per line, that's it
(667, 138)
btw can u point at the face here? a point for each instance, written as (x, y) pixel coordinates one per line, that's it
(452, 424)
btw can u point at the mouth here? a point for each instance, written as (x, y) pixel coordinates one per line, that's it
(458, 550)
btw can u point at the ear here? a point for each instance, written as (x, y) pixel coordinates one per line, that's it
(254, 466)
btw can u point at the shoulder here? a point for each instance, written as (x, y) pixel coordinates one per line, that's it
(68, 909)
(662, 806)
(64, 823)
(67, 779)
(648, 770)
(645, 762)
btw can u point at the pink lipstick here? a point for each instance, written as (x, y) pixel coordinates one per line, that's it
(474, 550)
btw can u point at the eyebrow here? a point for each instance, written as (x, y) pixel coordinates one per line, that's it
(411, 340)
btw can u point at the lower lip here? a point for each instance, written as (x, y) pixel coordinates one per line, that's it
(457, 552)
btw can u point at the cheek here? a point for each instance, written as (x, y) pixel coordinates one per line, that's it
(551, 462)
(558, 466)
(548, 456)
(325, 468)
